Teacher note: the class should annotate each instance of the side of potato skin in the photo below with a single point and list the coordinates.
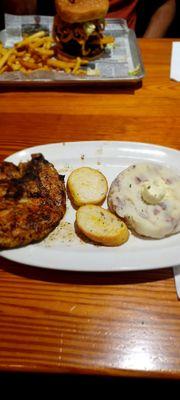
(83, 189)
(101, 226)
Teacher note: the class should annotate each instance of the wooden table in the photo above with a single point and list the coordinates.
(125, 324)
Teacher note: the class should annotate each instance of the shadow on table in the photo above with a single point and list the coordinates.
(126, 88)
(78, 384)
(85, 278)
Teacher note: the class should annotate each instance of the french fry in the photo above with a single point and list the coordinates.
(19, 53)
(30, 39)
(45, 41)
(29, 65)
(48, 44)
(37, 52)
(5, 57)
(12, 59)
(1, 48)
(77, 65)
(3, 69)
(60, 64)
(44, 52)
(15, 67)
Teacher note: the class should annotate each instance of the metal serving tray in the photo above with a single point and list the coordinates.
(121, 63)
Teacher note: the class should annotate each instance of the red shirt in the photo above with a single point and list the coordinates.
(124, 9)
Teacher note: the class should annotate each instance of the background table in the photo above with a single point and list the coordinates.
(125, 324)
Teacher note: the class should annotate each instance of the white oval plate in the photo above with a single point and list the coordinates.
(67, 253)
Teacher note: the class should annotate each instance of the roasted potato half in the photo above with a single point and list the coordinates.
(87, 186)
(101, 225)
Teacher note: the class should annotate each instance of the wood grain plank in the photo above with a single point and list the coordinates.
(125, 324)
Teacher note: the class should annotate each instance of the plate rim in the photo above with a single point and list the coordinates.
(168, 252)
(93, 142)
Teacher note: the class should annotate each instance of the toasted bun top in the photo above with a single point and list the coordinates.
(81, 10)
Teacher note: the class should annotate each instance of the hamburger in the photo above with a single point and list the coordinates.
(79, 28)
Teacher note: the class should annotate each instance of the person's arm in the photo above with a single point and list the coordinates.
(161, 20)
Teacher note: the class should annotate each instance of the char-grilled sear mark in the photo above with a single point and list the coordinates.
(32, 201)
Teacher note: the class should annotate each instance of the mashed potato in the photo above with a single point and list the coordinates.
(147, 196)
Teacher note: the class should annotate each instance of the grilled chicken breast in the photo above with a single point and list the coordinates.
(32, 201)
